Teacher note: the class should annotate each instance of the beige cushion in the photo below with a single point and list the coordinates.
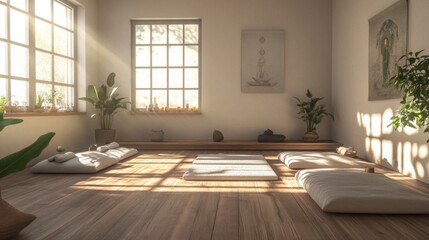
(121, 153)
(85, 162)
(12, 221)
(310, 159)
(230, 167)
(355, 191)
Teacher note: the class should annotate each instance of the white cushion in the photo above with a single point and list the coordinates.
(310, 159)
(356, 191)
(230, 167)
(121, 153)
(85, 162)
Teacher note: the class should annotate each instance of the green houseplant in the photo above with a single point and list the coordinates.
(13, 220)
(312, 114)
(107, 102)
(412, 79)
(40, 100)
(3, 102)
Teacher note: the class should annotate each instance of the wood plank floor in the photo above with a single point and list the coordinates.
(146, 198)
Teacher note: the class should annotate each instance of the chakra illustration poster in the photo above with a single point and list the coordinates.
(262, 61)
(387, 43)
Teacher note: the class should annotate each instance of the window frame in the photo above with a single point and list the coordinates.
(32, 49)
(134, 23)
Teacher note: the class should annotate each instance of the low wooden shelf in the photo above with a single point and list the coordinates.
(321, 145)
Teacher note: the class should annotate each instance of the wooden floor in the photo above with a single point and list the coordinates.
(146, 198)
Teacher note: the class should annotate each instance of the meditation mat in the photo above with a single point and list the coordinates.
(230, 167)
(355, 191)
(314, 159)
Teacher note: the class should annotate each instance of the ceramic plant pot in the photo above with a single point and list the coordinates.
(103, 136)
(310, 137)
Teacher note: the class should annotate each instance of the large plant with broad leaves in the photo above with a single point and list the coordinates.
(107, 102)
(311, 112)
(18, 161)
(412, 79)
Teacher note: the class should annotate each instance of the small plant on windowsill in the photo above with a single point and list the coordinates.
(40, 100)
(53, 97)
(107, 103)
(412, 79)
(3, 102)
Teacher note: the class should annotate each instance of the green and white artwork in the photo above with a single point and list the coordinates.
(387, 43)
(262, 61)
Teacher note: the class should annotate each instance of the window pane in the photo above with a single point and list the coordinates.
(63, 15)
(175, 98)
(43, 66)
(43, 88)
(176, 77)
(43, 9)
(142, 34)
(18, 27)
(191, 56)
(159, 34)
(175, 57)
(143, 78)
(191, 98)
(162, 54)
(63, 42)
(19, 92)
(19, 61)
(3, 58)
(159, 56)
(142, 98)
(175, 34)
(21, 4)
(191, 33)
(159, 78)
(191, 78)
(43, 35)
(3, 87)
(63, 69)
(3, 22)
(142, 56)
(160, 98)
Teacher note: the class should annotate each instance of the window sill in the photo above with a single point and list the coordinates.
(42, 114)
(164, 113)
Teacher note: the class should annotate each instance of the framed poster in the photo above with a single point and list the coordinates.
(262, 61)
(387, 43)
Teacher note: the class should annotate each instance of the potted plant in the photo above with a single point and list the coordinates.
(412, 79)
(40, 100)
(3, 101)
(13, 220)
(107, 102)
(312, 114)
(52, 98)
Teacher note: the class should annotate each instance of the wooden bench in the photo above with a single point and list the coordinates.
(321, 145)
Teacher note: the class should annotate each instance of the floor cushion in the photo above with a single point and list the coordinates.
(85, 162)
(315, 159)
(356, 191)
(230, 167)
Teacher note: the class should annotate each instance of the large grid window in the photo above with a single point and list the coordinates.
(166, 65)
(37, 54)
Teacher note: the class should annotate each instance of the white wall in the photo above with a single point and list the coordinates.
(359, 122)
(71, 131)
(307, 26)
